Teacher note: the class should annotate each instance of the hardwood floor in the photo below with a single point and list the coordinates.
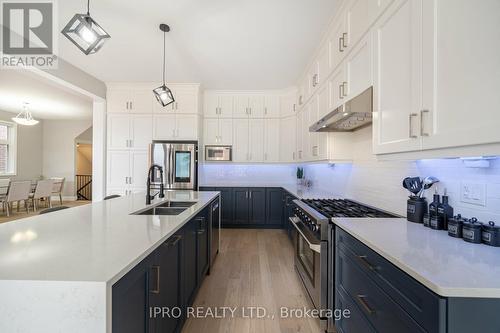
(15, 215)
(253, 268)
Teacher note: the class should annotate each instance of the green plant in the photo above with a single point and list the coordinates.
(300, 173)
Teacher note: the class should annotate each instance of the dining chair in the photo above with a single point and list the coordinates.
(18, 191)
(43, 191)
(52, 209)
(4, 187)
(58, 187)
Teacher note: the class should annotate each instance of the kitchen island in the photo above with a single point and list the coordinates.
(57, 270)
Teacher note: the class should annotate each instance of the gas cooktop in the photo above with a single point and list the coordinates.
(344, 208)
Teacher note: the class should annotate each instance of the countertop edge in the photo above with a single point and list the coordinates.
(440, 291)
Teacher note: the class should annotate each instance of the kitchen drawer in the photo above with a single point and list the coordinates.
(356, 323)
(381, 311)
(422, 304)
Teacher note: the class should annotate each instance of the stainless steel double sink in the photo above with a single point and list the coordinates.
(167, 208)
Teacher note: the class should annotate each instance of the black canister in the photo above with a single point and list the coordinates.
(436, 223)
(455, 226)
(427, 220)
(416, 208)
(491, 234)
(472, 231)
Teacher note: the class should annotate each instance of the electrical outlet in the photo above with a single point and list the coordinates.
(473, 193)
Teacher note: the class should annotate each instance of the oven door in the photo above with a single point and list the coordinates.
(307, 260)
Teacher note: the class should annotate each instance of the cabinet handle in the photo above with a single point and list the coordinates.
(131, 143)
(157, 287)
(250, 194)
(341, 93)
(130, 180)
(301, 99)
(265, 110)
(131, 106)
(293, 156)
(422, 129)
(126, 180)
(246, 194)
(344, 38)
(176, 105)
(249, 110)
(174, 241)
(344, 88)
(201, 231)
(366, 263)
(341, 43)
(410, 132)
(294, 107)
(126, 106)
(362, 300)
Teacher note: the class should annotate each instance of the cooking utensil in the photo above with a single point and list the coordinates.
(415, 185)
(407, 183)
(427, 184)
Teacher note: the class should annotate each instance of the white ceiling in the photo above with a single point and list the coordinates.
(223, 44)
(47, 101)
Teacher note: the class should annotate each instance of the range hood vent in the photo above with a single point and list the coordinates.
(354, 114)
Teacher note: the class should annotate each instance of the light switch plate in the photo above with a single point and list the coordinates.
(473, 193)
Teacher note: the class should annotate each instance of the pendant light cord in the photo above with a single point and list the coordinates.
(88, 7)
(164, 62)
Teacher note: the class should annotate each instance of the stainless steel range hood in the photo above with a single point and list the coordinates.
(354, 114)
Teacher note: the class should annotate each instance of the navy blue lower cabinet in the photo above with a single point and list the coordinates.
(203, 246)
(378, 308)
(227, 203)
(275, 201)
(241, 205)
(165, 290)
(257, 206)
(354, 321)
(130, 303)
(190, 262)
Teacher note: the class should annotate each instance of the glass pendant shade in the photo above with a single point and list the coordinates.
(164, 95)
(25, 117)
(85, 33)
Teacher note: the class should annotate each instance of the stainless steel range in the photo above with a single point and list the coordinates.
(315, 246)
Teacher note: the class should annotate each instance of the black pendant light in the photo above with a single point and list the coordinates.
(163, 94)
(85, 33)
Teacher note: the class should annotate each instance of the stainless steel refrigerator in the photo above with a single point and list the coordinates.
(179, 160)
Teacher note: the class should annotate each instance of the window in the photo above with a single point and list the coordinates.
(7, 148)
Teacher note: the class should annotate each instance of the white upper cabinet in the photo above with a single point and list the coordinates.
(118, 164)
(336, 86)
(175, 127)
(256, 139)
(324, 68)
(139, 165)
(241, 107)
(141, 127)
(398, 80)
(272, 140)
(323, 102)
(226, 131)
(288, 103)
(241, 143)
(186, 127)
(271, 106)
(129, 101)
(299, 135)
(256, 106)
(218, 105)
(186, 100)
(337, 42)
(288, 137)
(358, 67)
(211, 131)
(358, 18)
(164, 127)
(461, 73)
(118, 131)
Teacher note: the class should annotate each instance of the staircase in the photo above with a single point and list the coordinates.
(84, 187)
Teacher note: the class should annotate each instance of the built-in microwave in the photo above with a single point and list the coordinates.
(218, 153)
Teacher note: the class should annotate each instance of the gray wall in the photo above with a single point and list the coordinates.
(29, 149)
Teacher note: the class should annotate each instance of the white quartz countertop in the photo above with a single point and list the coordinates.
(99, 242)
(300, 192)
(448, 266)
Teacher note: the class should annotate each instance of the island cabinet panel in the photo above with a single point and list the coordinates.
(241, 205)
(166, 283)
(190, 263)
(131, 300)
(227, 203)
(168, 278)
(274, 206)
(257, 212)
